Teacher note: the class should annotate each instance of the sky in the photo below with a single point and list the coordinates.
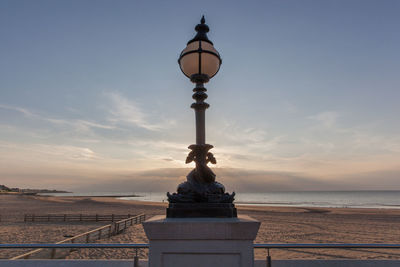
(307, 97)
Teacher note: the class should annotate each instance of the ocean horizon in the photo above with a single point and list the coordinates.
(386, 199)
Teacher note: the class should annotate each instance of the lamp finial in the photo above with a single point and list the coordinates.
(201, 30)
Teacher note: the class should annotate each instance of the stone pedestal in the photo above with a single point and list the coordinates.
(201, 242)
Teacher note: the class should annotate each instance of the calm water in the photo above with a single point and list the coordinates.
(347, 199)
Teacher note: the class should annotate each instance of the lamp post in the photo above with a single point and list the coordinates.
(200, 195)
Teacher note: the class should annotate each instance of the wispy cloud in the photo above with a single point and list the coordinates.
(327, 118)
(121, 113)
(24, 111)
(124, 110)
(236, 134)
(77, 124)
(40, 152)
(364, 140)
(248, 147)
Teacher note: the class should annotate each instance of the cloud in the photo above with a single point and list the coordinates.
(75, 124)
(236, 134)
(235, 179)
(374, 180)
(79, 124)
(327, 118)
(247, 147)
(18, 109)
(123, 110)
(355, 141)
(130, 140)
(82, 169)
(45, 152)
(244, 180)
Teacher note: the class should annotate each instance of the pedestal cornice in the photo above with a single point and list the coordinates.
(162, 228)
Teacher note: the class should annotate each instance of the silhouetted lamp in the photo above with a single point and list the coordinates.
(200, 195)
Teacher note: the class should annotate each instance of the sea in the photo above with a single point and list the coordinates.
(331, 199)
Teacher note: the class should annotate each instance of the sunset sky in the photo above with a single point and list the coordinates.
(307, 97)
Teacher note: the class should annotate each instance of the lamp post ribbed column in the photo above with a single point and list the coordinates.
(200, 112)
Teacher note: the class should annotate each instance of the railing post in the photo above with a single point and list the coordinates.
(136, 259)
(100, 233)
(87, 238)
(268, 259)
(72, 241)
(53, 253)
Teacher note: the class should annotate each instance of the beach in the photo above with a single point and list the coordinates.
(278, 225)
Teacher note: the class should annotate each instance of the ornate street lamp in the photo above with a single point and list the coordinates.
(200, 195)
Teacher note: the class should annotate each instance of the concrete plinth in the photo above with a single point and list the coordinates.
(198, 242)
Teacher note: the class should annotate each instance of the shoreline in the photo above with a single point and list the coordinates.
(240, 206)
(113, 196)
(319, 199)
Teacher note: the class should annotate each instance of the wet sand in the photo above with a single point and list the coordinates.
(278, 225)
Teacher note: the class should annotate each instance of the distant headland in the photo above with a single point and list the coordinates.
(27, 191)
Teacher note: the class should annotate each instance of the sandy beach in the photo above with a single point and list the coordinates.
(278, 225)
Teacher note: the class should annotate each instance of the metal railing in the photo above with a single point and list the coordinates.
(136, 247)
(75, 217)
(76, 245)
(323, 245)
(95, 234)
(320, 246)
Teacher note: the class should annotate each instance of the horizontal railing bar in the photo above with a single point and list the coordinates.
(322, 245)
(132, 245)
(75, 245)
(77, 218)
(76, 214)
(85, 216)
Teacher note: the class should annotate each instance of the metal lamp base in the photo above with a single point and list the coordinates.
(201, 210)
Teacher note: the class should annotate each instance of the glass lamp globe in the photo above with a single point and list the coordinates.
(200, 58)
